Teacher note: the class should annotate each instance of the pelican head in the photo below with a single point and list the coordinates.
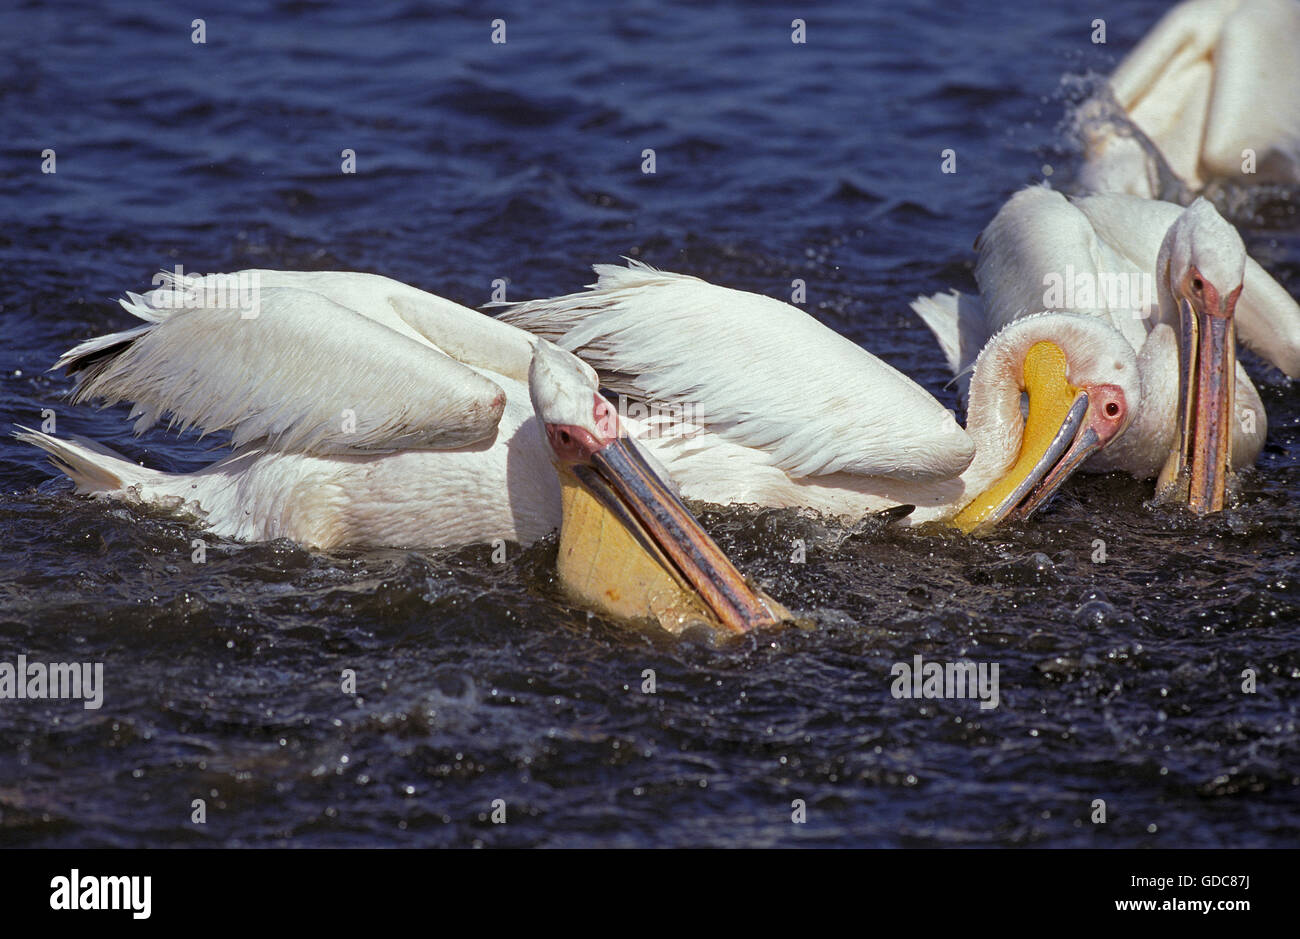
(1202, 264)
(628, 546)
(1081, 380)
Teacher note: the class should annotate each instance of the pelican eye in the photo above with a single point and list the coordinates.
(1112, 409)
(1197, 285)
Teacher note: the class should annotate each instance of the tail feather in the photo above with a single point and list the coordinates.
(958, 324)
(92, 466)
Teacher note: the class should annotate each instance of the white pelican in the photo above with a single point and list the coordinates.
(765, 405)
(367, 412)
(1177, 283)
(1213, 83)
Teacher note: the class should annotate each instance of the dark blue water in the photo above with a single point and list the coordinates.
(477, 161)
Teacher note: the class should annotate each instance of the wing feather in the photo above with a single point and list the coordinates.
(754, 370)
(305, 373)
(1268, 318)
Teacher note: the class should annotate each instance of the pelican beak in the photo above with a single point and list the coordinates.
(1198, 467)
(620, 478)
(1090, 424)
(1064, 427)
(629, 545)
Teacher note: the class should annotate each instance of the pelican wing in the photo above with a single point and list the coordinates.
(1107, 246)
(756, 371)
(961, 329)
(1181, 39)
(1214, 79)
(1040, 252)
(464, 334)
(1254, 102)
(288, 368)
(1268, 318)
(1164, 83)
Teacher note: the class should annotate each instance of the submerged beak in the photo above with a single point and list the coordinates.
(1197, 469)
(1079, 436)
(1064, 427)
(1084, 431)
(619, 477)
(655, 526)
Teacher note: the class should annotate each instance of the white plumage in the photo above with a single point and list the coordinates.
(362, 411)
(782, 411)
(1212, 81)
(365, 412)
(649, 330)
(1114, 242)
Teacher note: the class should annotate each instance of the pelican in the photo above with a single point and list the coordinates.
(1177, 284)
(1212, 92)
(366, 412)
(745, 399)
